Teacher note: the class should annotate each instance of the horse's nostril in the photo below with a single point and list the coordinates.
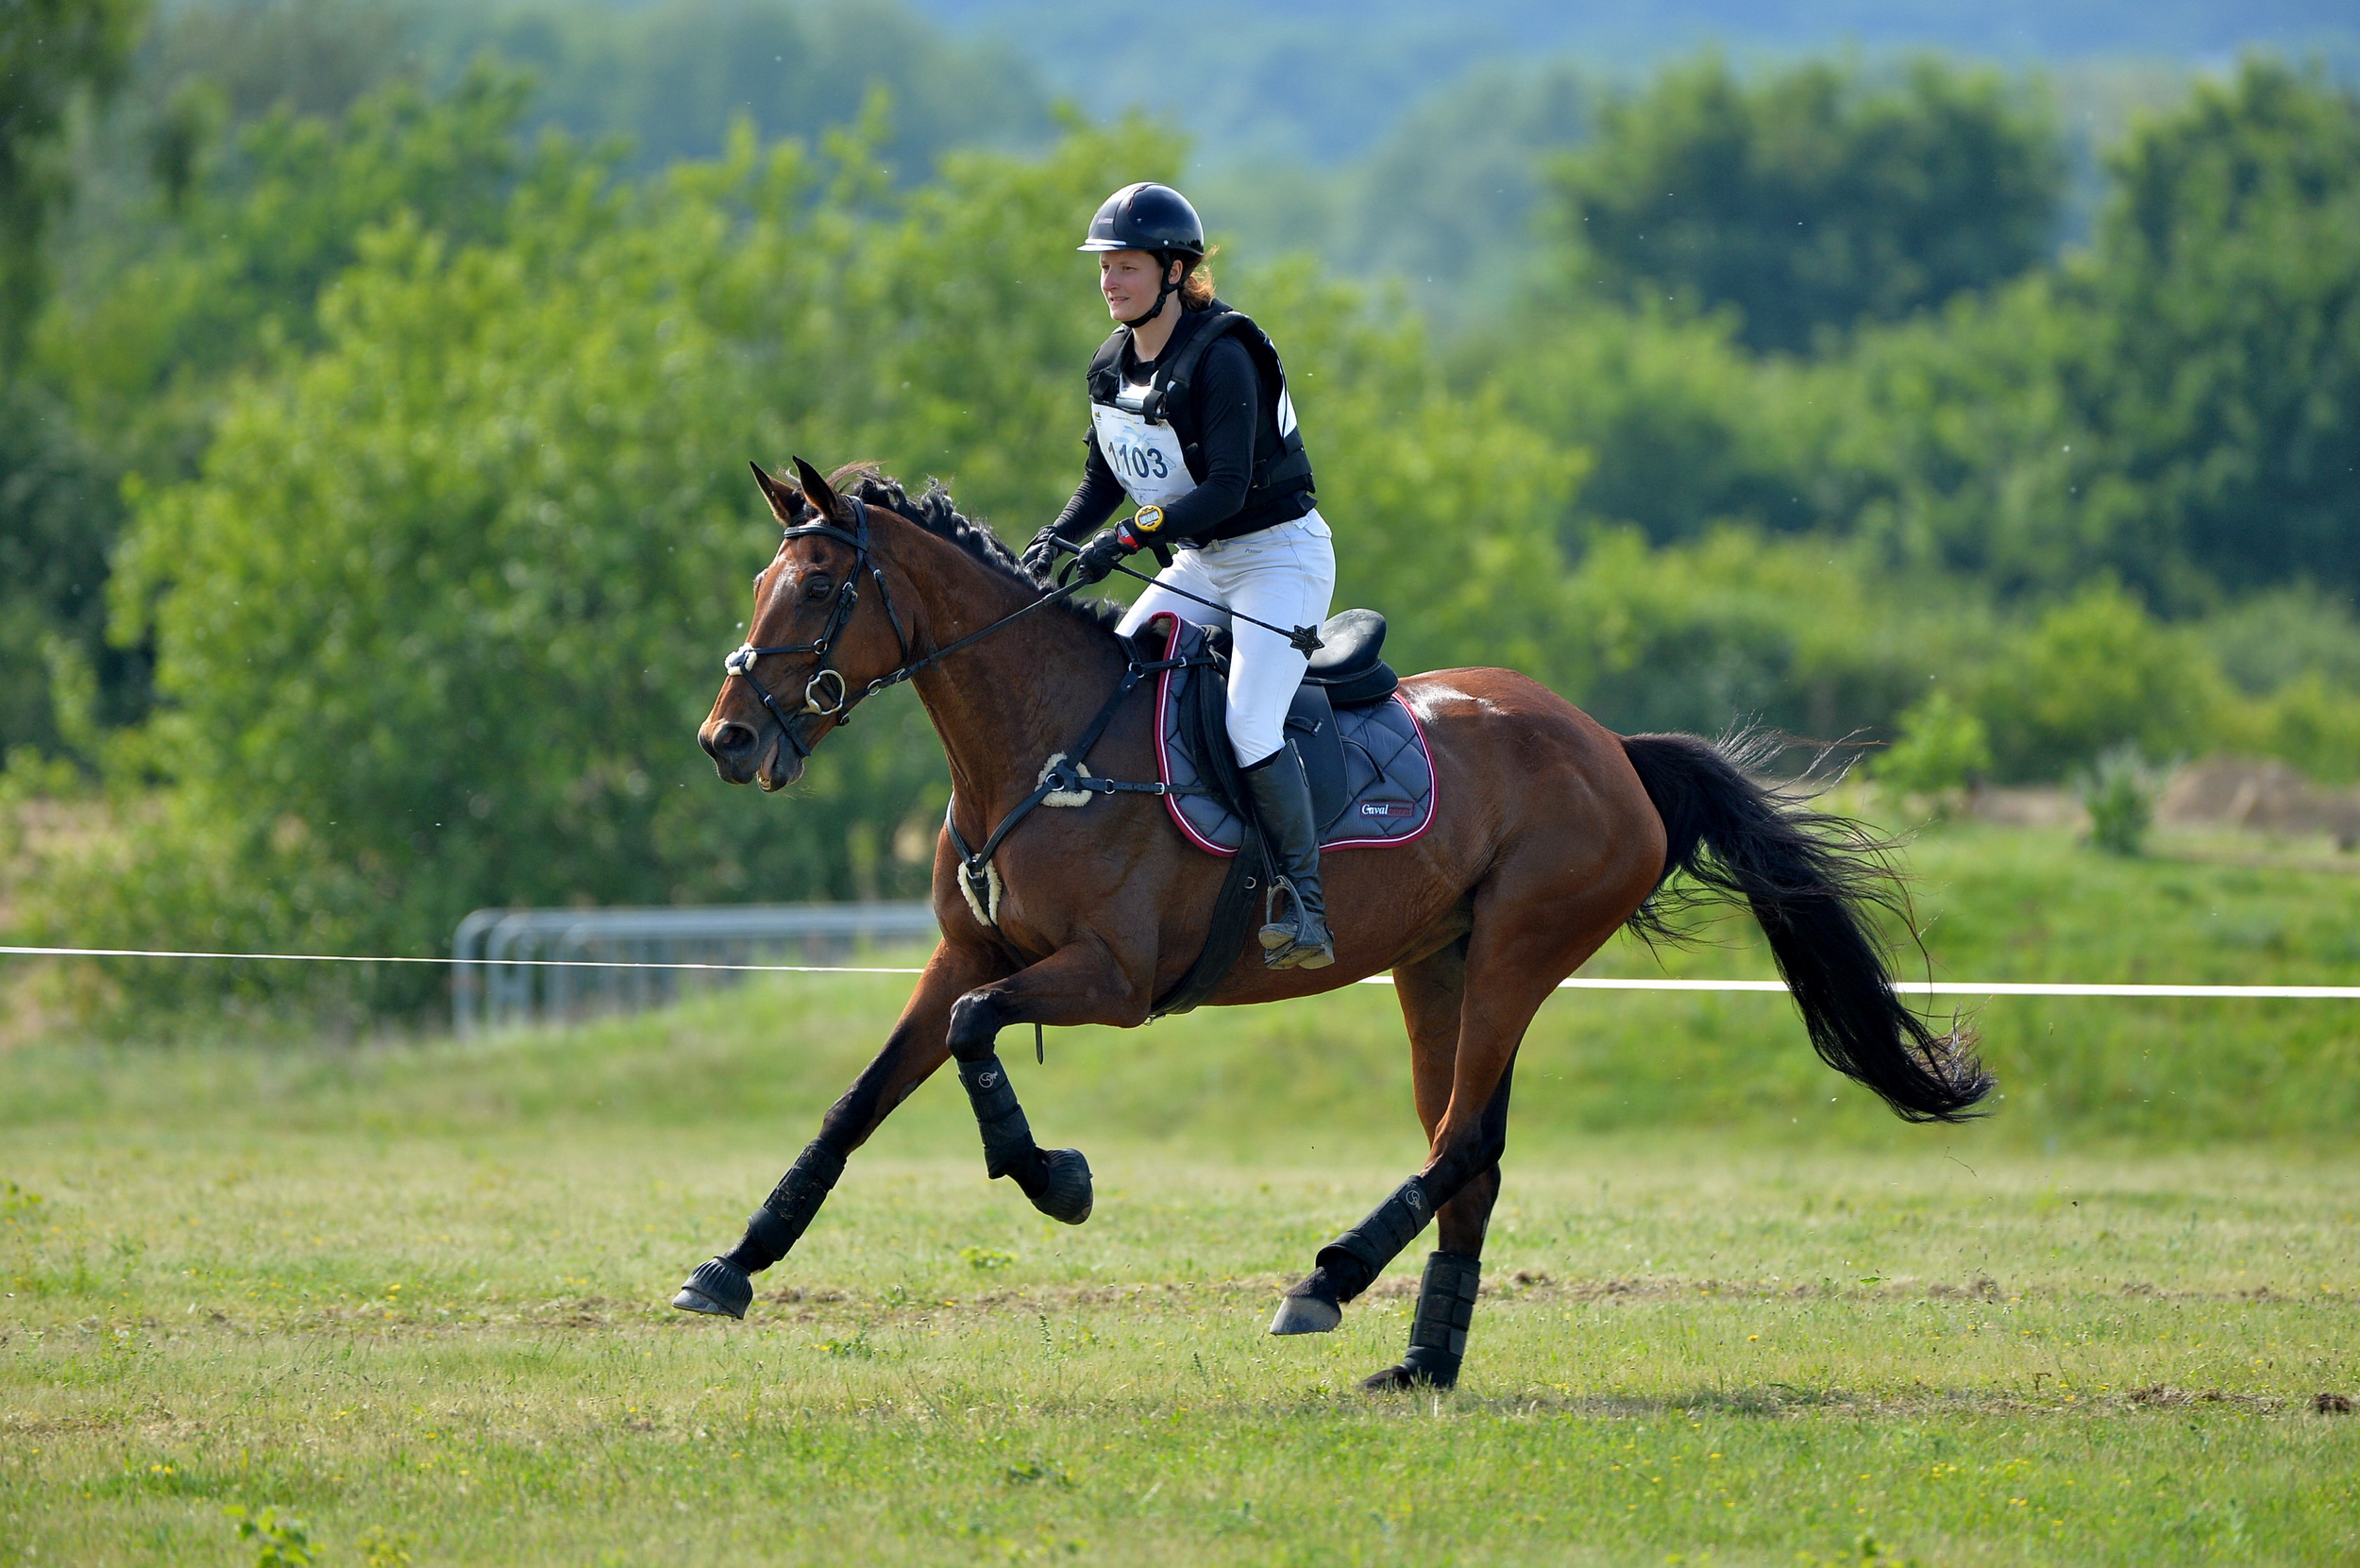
(732, 740)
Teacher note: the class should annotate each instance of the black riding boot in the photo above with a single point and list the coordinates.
(1297, 938)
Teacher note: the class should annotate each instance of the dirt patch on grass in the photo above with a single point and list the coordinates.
(1784, 1399)
(899, 1306)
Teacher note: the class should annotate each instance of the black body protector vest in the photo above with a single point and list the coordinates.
(1281, 467)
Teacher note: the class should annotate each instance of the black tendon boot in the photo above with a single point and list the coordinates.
(1057, 1180)
(724, 1286)
(1282, 797)
(1438, 1335)
(1350, 1264)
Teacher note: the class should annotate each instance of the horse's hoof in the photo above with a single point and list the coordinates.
(718, 1289)
(1061, 1185)
(1307, 1310)
(1401, 1378)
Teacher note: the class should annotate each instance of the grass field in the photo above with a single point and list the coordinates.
(411, 1295)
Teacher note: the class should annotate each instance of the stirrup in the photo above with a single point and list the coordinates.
(1283, 947)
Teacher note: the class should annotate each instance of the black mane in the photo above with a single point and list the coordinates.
(933, 512)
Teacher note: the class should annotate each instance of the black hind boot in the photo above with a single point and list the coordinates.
(1438, 1335)
(1282, 797)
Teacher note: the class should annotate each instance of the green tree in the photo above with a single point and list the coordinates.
(2308, 721)
(147, 348)
(1687, 432)
(1952, 446)
(135, 359)
(1944, 745)
(1444, 202)
(50, 53)
(2181, 408)
(1815, 197)
(2119, 791)
(56, 505)
(1737, 628)
(2095, 672)
(1445, 506)
(673, 75)
(2228, 388)
(53, 54)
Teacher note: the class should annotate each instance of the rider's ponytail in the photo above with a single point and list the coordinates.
(1196, 279)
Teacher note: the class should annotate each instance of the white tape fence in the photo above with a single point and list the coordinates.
(1908, 987)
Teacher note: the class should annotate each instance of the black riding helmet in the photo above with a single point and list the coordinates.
(1150, 217)
(1146, 216)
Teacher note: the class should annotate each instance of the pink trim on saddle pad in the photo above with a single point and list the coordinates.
(1171, 802)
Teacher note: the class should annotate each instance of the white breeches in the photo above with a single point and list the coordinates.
(1283, 575)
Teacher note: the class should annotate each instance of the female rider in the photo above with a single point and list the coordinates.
(1190, 415)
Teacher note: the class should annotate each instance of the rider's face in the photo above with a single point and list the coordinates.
(1128, 279)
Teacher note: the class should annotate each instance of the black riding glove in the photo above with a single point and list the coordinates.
(1098, 558)
(1040, 556)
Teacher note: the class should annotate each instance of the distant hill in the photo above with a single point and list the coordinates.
(1322, 80)
(667, 76)
(1403, 140)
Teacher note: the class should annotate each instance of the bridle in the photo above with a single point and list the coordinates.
(827, 695)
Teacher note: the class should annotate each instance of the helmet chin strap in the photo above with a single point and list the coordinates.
(1134, 323)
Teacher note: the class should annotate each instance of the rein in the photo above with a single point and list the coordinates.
(1305, 639)
(841, 701)
(827, 695)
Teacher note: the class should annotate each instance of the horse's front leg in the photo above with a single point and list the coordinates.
(724, 1285)
(1079, 984)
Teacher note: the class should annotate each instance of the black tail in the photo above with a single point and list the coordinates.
(1808, 879)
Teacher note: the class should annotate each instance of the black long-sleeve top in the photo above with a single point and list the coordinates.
(1230, 418)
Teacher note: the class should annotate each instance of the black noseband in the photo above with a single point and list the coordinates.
(826, 695)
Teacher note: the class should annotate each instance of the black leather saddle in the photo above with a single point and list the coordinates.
(1348, 671)
(1348, 666)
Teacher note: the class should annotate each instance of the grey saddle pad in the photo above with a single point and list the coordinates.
(1389, 772)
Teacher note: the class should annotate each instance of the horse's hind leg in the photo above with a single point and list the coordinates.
(1454, 1271)
(723, 1287)
(1432, 992)
(1512, 965)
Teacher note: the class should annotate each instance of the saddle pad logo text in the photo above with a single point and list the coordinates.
(1388, 808)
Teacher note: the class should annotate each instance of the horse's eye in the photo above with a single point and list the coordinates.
(818, 589)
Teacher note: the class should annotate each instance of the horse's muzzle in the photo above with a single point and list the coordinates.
(744, 754)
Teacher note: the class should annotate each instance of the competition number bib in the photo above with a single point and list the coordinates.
(1146, 458)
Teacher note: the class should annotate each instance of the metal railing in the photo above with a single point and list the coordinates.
(525, 966)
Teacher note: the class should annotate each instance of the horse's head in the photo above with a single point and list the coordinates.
(811, 645)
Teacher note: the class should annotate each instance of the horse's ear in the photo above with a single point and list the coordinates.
(785, 504)
(818, 492)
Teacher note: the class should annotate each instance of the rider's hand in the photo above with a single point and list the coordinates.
(1098, 558)
(1040, 556)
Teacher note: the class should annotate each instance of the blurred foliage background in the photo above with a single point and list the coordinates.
(377, 379)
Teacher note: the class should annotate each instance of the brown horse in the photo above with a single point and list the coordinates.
(1552, 833)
